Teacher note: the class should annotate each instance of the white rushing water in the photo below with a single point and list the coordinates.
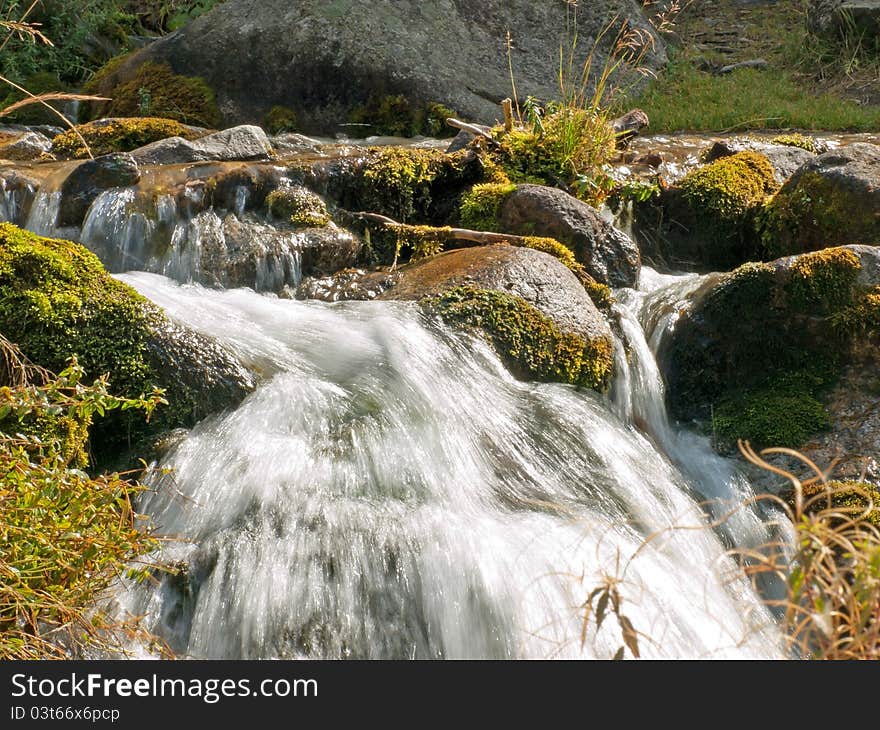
(390, 491)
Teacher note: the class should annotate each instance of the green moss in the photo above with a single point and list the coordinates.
(481, 205)
(571, 151)
(402, 182)
(730, 188)
(303, 208)
(601, 294)
(779, 415)
(422, 241)
(397, 116)
(280, 119)
(156, 91)
(57, 301)
(823, 281)
(811, 211)
(529, 342)
(862, 316)
(798, 140)
(117, 135)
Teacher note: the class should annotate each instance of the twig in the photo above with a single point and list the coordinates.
(460, 234)
(474, 130)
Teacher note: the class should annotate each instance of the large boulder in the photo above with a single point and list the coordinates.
(833, 199)
(90, 179)
(243, 143)
(755, 353)
(834, 18)
(608, 254)
(324, 59)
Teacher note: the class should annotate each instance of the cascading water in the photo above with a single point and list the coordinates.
(390, 491)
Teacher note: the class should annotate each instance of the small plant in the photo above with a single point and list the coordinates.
(67, 536)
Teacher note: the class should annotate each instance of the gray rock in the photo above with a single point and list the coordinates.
(536, 277)
(244, 143)
(19, 191)
(832, 18)
(753, 63)
(325, 58)
(89, 179)
(832, 199)
(608, 255)
(30, 146)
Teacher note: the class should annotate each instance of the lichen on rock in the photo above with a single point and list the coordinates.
(106, 136)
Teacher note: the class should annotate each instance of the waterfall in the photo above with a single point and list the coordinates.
(390, 491)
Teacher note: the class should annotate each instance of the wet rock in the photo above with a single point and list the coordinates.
(536, 277)
(244, 143)
(19, 191)
(91, 178)
(30, 146)
(347, 285)
(608, 255)
(629, 126)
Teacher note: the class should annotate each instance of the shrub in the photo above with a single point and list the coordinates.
(280, 119)
(398, 116)
(67, 536)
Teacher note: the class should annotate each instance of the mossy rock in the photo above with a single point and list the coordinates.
(154, 90)
(802, 141)
(281, 119)
(758, 350)
(106, 136)
(718, 204)
(299, 206)
(56, 300)
(834, 198)
(529, 342)
(398, 116)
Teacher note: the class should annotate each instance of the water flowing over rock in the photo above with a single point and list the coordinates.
(324, 59)
(608, 254)
(89, 179)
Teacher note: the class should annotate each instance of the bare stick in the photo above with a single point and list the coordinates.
(474, 129)
(460, 234)
(507, 106)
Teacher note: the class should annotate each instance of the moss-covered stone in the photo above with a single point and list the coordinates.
(757, 353)
(807, 214)
(154, 90)
(406, 183)
(280, 119)
(722, 200)
(482, 203)
(117, 135)
(397, 116)
(299, 206)
(530, 343)
(852, 498)
(799, 140)
(57, 301)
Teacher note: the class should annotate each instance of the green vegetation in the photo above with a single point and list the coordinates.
(799, 140)
(530, 343)
(729, 189)
(684, 98)
(785, 335)
(66, 536)
(848, 497)
(398, 116)
(570, 149)
(117, 135)
(301, 207)
(155, 91)
(280, 119)
(811, 211)
(481, 205)
(37, 83)
(404, 183)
